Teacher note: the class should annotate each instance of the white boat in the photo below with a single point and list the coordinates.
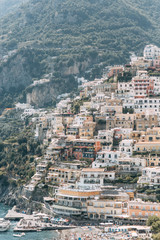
(19, 235)
(4, 225)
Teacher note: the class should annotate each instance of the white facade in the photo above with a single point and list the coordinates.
(150, 175)
(126, 87)
(124, 132)
(64, 106)
(105, 135)
(131, 164)
(106, 158)
(156, 81)
(128, 103)
(78, 120)
(126, 147)
(144, 104)
(151, 52)
(94, 177)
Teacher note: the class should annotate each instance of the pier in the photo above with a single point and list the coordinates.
(13, 215)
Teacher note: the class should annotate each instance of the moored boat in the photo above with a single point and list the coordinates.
(19, 235)
(4, 225)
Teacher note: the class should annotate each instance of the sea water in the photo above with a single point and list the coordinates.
(44, 235)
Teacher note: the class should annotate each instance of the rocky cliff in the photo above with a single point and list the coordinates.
(45, 94)
(13, 74)
(18, 70)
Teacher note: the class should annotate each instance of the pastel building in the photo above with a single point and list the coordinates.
(70, 201)
(149, 141)
(111, 203)
(140, 209)
(62, 175)
(121, 121)
(140, 85)
(153, 160)
(87, 130)
(84, 149)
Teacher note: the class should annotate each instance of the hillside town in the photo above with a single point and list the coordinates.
(102, 147)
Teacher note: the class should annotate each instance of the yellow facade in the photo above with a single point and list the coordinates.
(153, 160)
(87, 130)
(67, 120)
(101, 208)
(141, 147)
(58, 175)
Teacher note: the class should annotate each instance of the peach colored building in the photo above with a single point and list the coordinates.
(140, 209)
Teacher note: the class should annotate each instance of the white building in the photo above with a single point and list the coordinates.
(150, 176)
(126, 87)
(124, 132)
(151, 52)
(147, 105)
(128, 103)
(156, 81)
(126, 147)
(94, 177)
(105, 136)
(64, 106)
(79, 120)
(129, 164)
(106, 158)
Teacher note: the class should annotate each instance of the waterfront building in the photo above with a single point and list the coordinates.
(112, 202)
(72, 201)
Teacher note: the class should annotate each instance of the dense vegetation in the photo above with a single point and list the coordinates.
(154, 222)
(107, 29)
(18, 148)
(8, 6)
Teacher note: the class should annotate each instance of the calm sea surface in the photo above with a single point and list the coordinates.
(44, 235)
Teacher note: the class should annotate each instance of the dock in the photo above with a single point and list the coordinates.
(47, 228)
(13, 215)
(35, 225)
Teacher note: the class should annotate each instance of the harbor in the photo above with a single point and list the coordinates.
(37, 235)
(36, 222)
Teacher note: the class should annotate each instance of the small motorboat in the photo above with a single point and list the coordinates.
(19, 235)
(4, 225)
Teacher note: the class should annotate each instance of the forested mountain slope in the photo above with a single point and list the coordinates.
(72, 36)
(8, 6)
